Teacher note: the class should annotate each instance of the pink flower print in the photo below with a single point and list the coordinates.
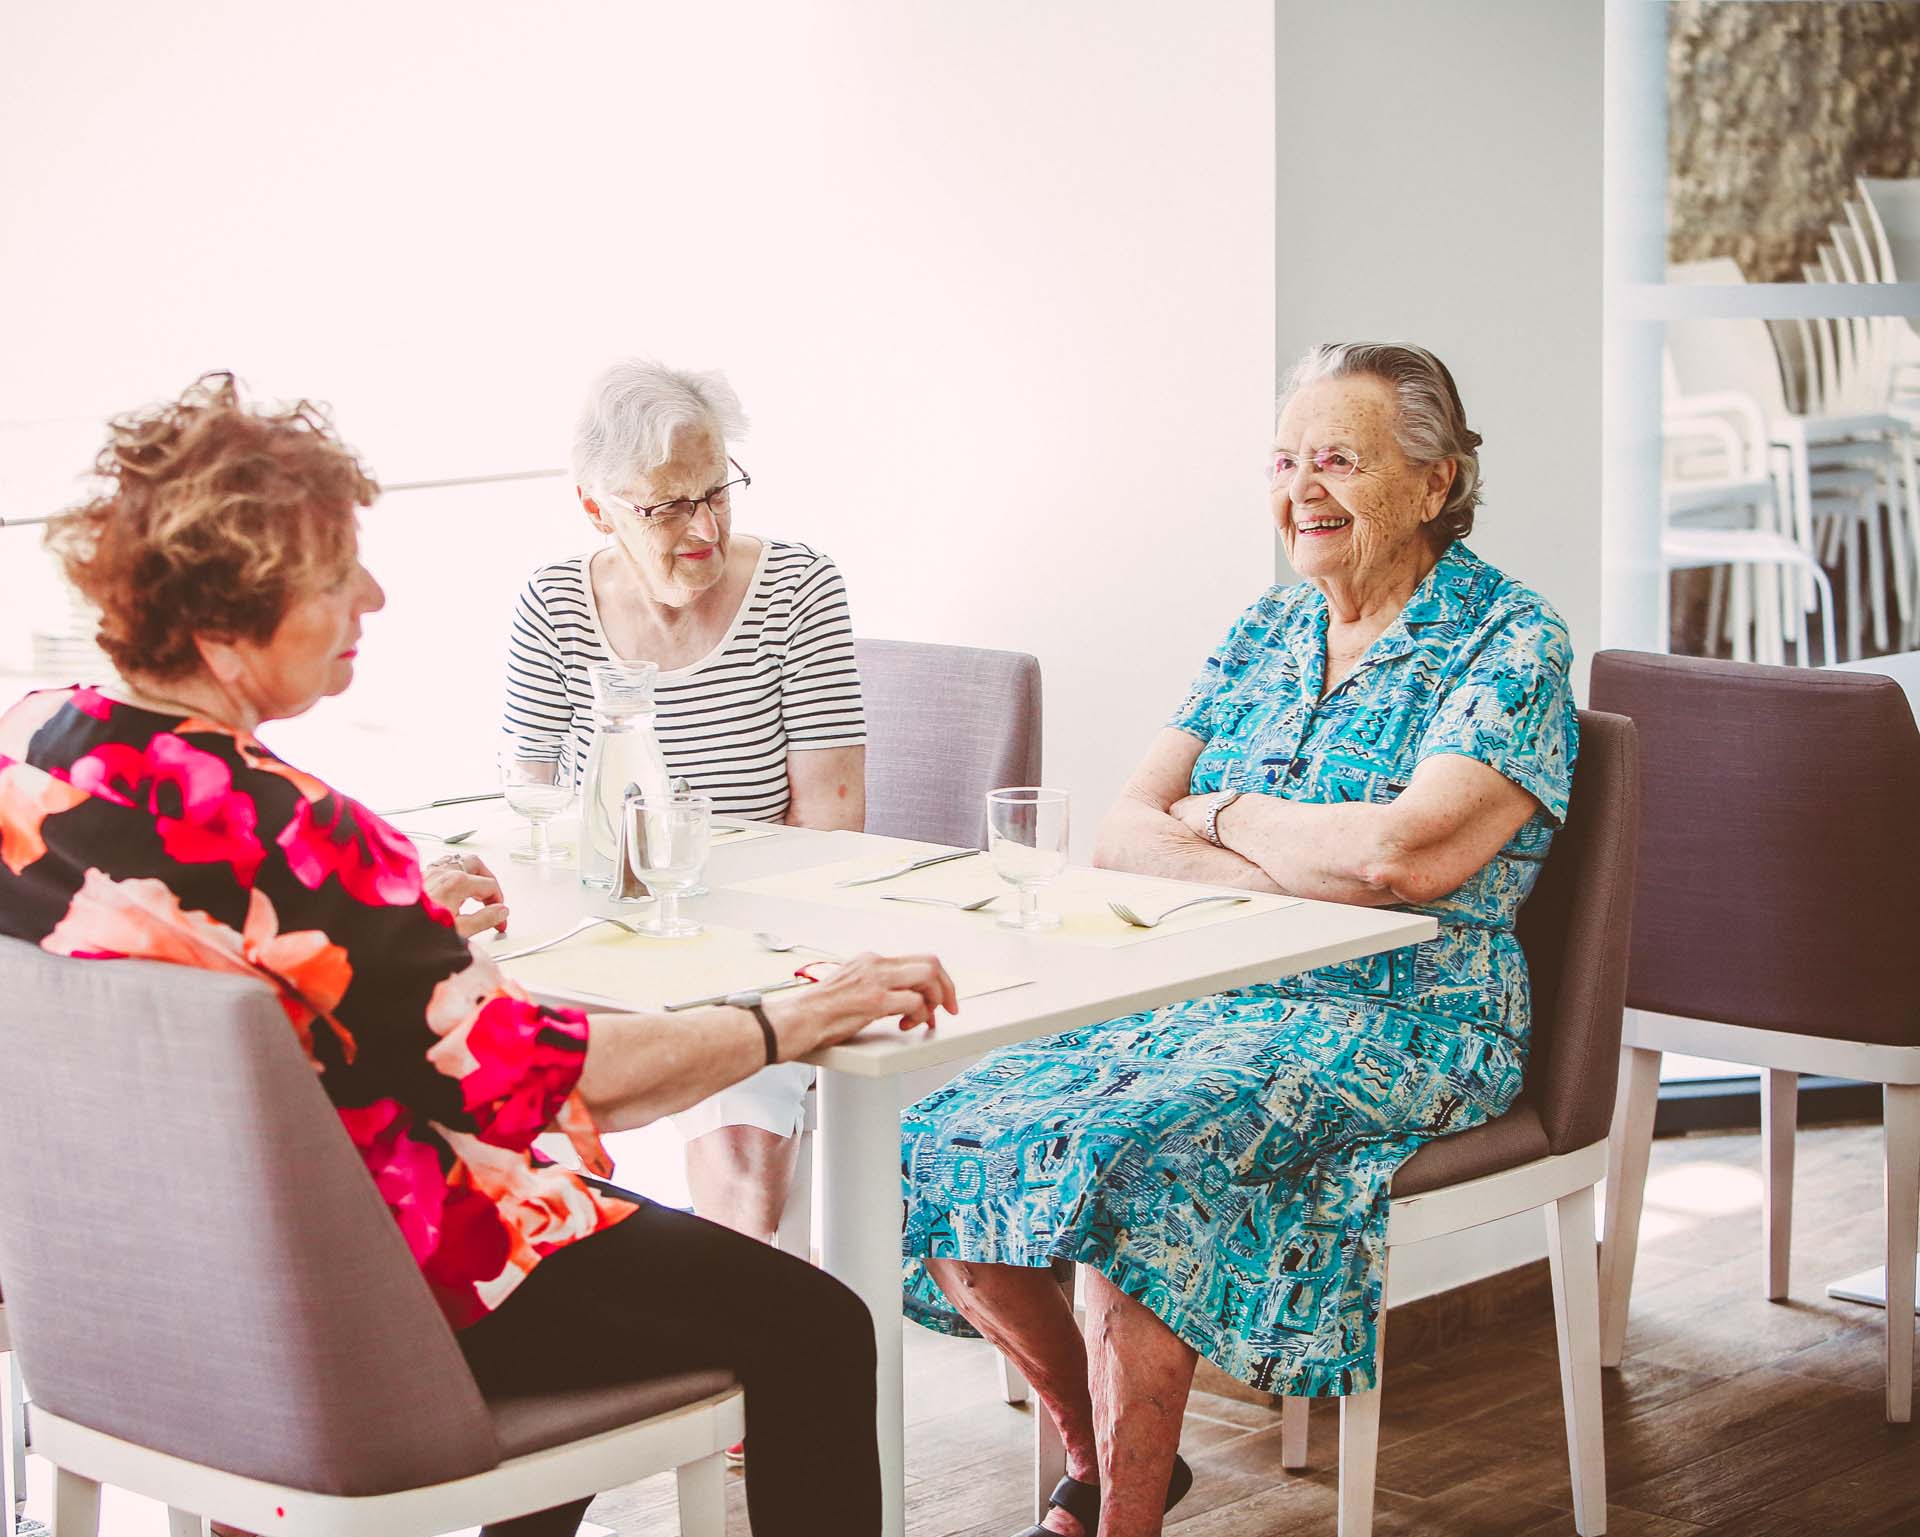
(475, 1246)
(90, 701)
(337, 836)
(406, 1172)
(199, 815)
(526, 1061)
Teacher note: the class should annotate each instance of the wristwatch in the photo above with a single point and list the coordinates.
(1211, 829)
(751, 1003)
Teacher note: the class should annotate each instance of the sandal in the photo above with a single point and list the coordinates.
(1082, 1500)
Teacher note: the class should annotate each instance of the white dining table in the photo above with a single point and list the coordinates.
(865, 1082)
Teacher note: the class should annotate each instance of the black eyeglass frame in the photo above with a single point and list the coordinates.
(692, 503)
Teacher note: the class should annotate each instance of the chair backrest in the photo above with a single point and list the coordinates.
(1714, 355)
(945, 724)
(197, 1259)
(1893, 209)
(1778, 846)
(1574, 930)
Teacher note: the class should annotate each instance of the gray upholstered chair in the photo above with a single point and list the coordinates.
(1776, 917)
(945, 724)
(1549, 1150)
(214, 1308)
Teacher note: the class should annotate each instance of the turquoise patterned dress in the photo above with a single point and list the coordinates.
(1227, 1160)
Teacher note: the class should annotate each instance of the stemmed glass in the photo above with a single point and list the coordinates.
(667, 840)
(534, 791)
(1027, 840)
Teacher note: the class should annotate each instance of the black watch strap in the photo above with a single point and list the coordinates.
(752, 1004)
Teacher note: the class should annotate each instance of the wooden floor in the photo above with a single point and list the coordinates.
(1731, 1415)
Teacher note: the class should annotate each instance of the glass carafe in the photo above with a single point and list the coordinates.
(624, 752)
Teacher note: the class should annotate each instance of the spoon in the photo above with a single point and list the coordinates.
(780, 946)
(447, 838)
(959, 907)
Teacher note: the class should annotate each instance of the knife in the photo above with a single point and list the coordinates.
(894, 872)
(713, 998)
(451, 800)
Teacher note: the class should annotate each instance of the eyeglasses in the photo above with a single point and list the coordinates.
(681, 509)
(1328, 463)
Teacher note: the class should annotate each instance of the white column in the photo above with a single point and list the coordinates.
(1635, 252)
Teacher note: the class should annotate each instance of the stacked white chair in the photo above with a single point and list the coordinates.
(1722, 507)
(1837, 464)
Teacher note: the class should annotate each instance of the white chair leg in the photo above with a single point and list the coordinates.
(795, 1233)
(1293, 1433)
(1876, 576)
(1013, 1387)
(76, 1505)
(13, 1454)
(1576, 1322)
(1628, 1149)
(703, 1497)
(1741, 609)
(1856, 597)
(1779, 1115)
(1359, 1458)
(1903, 1222)
(1049, 1451)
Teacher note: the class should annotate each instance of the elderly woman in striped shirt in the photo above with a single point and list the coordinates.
(758, 700)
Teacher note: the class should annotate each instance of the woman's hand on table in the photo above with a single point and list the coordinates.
(866, 988)
(453, 880)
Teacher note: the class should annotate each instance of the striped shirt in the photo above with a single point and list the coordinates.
(781, 680)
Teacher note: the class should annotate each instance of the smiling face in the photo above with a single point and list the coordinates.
(675, 558)
(1351, 508)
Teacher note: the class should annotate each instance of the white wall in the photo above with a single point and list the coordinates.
(1439, 182)
(994, 280)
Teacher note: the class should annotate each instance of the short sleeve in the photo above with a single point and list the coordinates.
(819, 682)
(1511, 706)
(538, 712)
(1246, 642)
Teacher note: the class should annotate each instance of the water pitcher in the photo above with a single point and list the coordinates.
(624, 752)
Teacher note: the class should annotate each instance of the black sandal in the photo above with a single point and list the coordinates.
(1082, 1501)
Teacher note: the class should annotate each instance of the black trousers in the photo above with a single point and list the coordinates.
(666, 1292)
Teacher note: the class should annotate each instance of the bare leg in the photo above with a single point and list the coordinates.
(1023, 1312)
(739, 1177)
(1141, 1372)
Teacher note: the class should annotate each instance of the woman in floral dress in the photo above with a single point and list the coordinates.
(145, 818)
(1396, 729)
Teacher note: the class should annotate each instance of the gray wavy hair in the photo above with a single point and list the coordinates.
(1430, 423)
(633, 411)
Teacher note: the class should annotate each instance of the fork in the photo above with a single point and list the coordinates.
(1126, 914)
(958, 907)
(559, 939)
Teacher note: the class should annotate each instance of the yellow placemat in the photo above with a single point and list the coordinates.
(605, 965)
(1079, 896)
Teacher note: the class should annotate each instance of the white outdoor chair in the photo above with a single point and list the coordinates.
(1715, 356)
(1722, 509)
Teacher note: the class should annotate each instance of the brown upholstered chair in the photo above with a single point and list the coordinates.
(1776, 918)
(945, 724)
(214, 1308)
(1550, 1149)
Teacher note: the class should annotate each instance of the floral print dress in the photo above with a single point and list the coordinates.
(125, 832)
(1227, 1160)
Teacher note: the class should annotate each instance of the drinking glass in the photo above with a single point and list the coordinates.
(1027, 840)
(535, 792)
(667, 846)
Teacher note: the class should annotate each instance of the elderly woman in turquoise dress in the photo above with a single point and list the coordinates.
(1397, 729)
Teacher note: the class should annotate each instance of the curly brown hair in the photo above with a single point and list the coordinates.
(217, 517)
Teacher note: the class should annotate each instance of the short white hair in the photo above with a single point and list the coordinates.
(633, 412)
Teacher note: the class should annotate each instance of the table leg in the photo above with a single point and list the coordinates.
(860, 1244)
